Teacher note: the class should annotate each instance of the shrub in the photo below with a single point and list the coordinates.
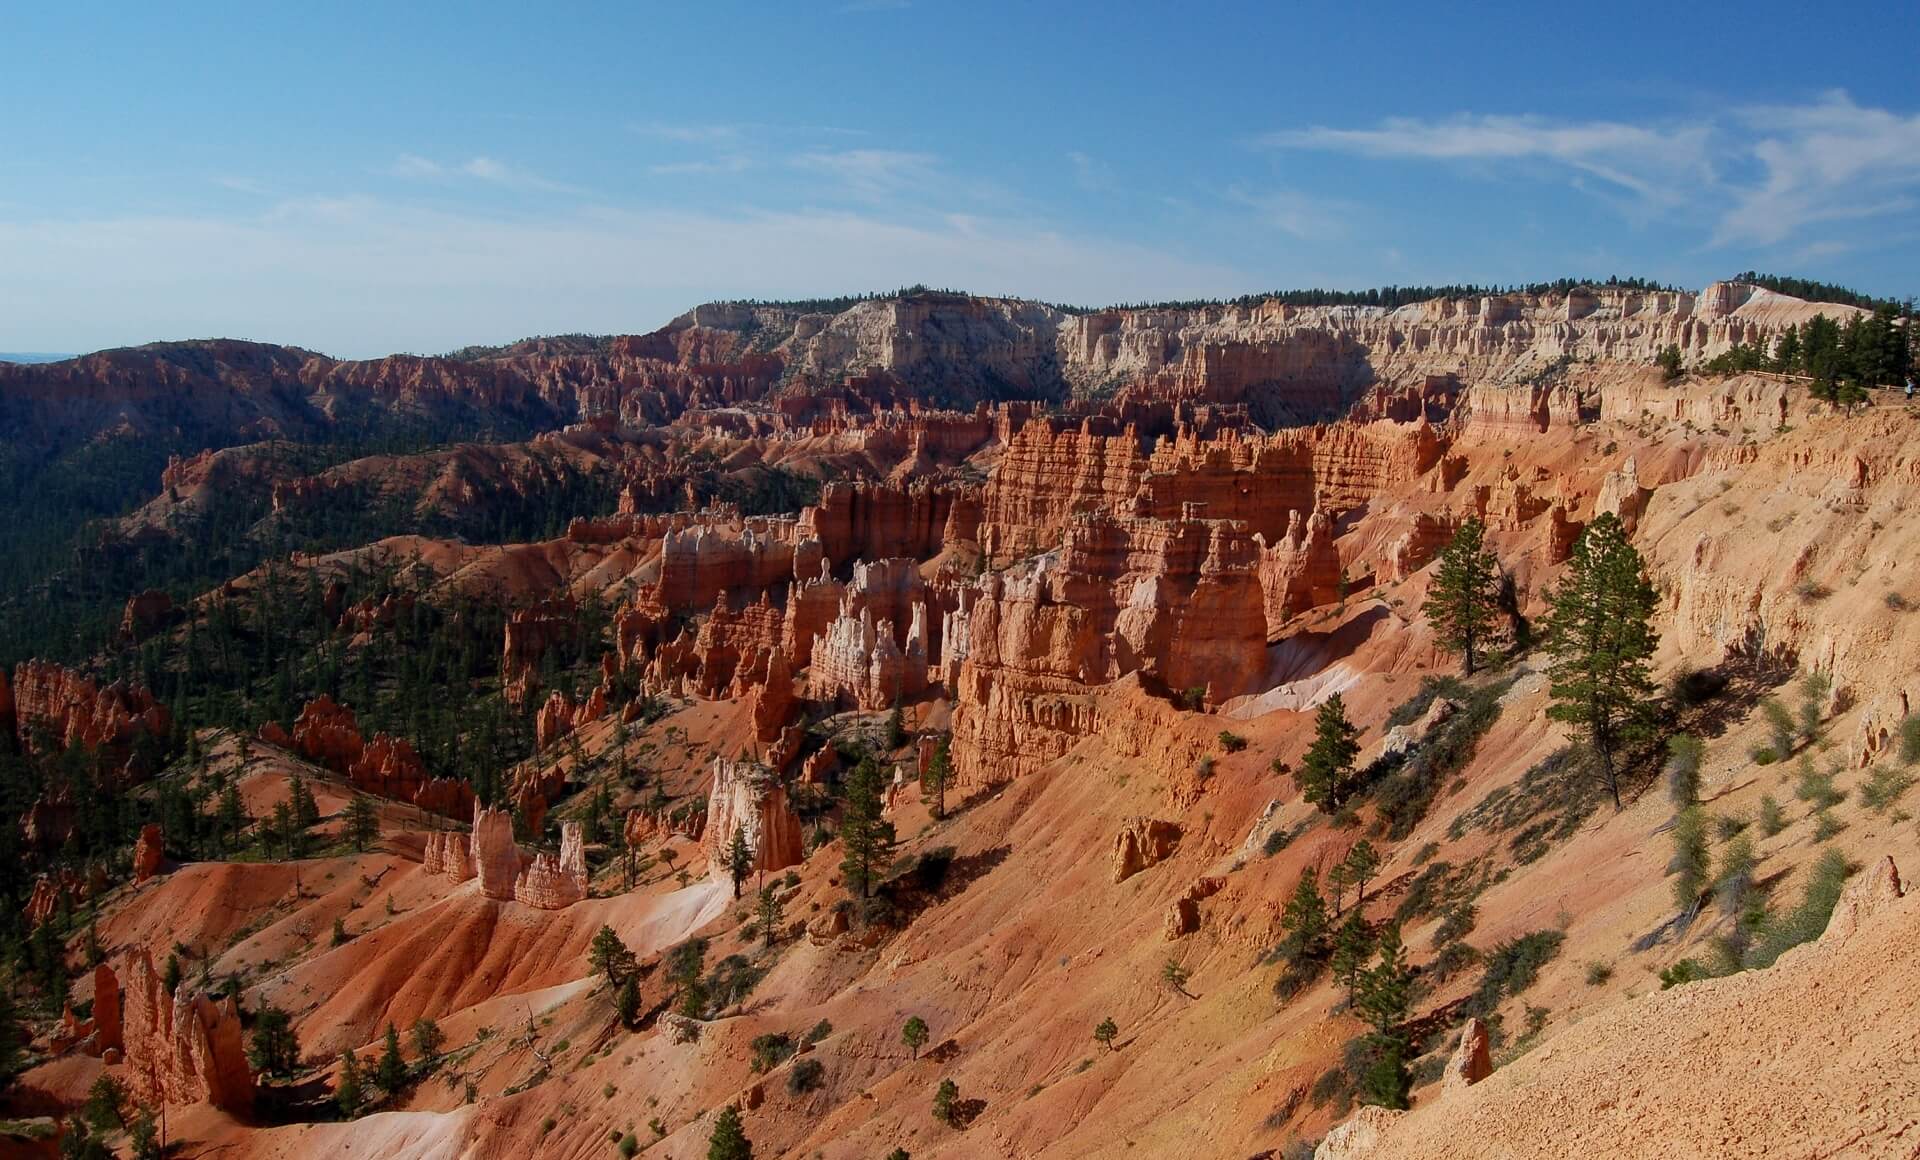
(1459, 922)
(944, 1098)
(1780, 725)
(1510, 968)
(1403, 794)
(1910, 739)
(1453, 959)
(1826, 826)
(1683, 769)
(1883, 787)
(629, 1145)
(1726, 826)
(1598, 974)
(807, 1074)
(1809, 919)
(1232, 742)
(1689, 864)
(1684, 971)
(732, 980)
(771, 1050)
(1897, 602)
(818, 1032)
(1816, 787)
(1763, 754)
(1773, 819)
(1735, 881)
(1203, 769)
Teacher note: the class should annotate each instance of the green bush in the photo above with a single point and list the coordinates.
(1773, 819)
(1232, 742)
(806, 1075)
(1684, 971)
(1510, 968)
(771, 1050)
(1598, 974)
(1808, 920)
(1816, 787)
(1883, 787)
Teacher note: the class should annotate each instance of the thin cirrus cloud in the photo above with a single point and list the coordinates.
(871, 174)
(1654, 163)
(377, 275)
(489, 170)
(1778, 169)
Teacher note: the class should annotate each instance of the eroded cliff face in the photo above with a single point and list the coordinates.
(1124, 613)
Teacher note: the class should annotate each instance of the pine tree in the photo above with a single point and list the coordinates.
(914, 1034)
(428, 1039)
(273, 1049)
(1600, 630)
(1361, 863)
(729, 1139)
(1105, 1031)
(1384, 998)
(739, 859)
(1352, 947)
(1670, 361)
(232, 815)
(608, 955)
(305, 811)
(939, 772)
(391, 1072)
(1304, 918)
(1463, 603)
(944, 1098)
(627, 1002)
(346, 1092)
(1325, 775)
(864, 834)
(767, 915)
(363, 823)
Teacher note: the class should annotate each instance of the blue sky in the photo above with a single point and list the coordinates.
(364, 179)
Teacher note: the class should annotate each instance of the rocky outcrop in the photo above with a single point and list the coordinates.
(1183, 918)
(145, 613)
(148, 852)
(1471, 1061)
(183, 1048)
(1301, 570)
(327, 734)
(859, 662)
(1359, 1138)
(530, 632)
(55, 708)
(448, 854)
(1142, 843)
(554, 883)
(1622, 495)
(1871, 892)
(495, 857)
(749, 797)
(1179, 601)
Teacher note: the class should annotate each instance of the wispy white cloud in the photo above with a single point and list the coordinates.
(1301, 215)
(486, 169)
(1827, 161)
(1765, 174)
(711, 166)
(690, 134)
(1653, 162)
(364, 276)
(872, 174)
